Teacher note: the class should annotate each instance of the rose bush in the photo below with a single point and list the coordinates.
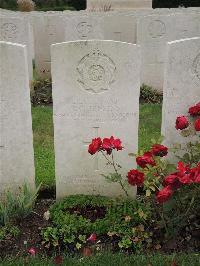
(172, 190)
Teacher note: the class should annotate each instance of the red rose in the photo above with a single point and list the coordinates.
(164, 194)
(197, 124)
(95, 146)
(194, 110)
(146, 159)
(111, 143)
(182, 122)
(117, 144)
(159, 150)
(108, 145)
(195, 174)
(184, 174)
(170, 179)
(135, 178)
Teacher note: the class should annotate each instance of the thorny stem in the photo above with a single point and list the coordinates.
(116, 171)
(120, 181)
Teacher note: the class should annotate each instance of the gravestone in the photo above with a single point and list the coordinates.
(83, 27)
(120, 27)
(16, 29)
(154, 31)
(96, 94)
(48, 29)
(181, 85)
(16, 141)
(118, 4)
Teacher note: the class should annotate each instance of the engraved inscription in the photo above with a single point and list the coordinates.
(196, 67)
(96, 71)
(9, 31)
(109, 110)
(84, 181)
(84, 29)
(157, 29)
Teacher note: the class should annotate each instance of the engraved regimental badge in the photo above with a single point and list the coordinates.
(9, 31)
(157, 29)
(96, 71)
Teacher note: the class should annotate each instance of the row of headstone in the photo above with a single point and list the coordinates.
(149, 28)
(15, 28)
(96, 93)
(118, 4)
(151, 32)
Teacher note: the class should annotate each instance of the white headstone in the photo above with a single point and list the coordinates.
(154, 31)
(120, 27)
(48, 29)
(181, 85)
(16, 29)
(118, 4)
(95, 93)
(16, 141)
(83, 27)
(153, 34)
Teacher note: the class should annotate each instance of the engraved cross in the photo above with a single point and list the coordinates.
(95, 134)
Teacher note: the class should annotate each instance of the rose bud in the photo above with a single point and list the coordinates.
(182, 122)
(135, 178)
(197, 124)
(159, 150)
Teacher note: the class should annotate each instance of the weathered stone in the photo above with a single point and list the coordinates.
(181, 86)
(95, 93)
(16, 140)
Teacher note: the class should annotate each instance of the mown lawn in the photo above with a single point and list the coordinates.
(117, 259)
(150, 123)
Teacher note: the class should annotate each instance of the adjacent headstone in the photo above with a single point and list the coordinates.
(118, 4)
(120, 27)
(154, 31)
(83, 27)
(16, 140)
(16, 29)
(95, 93)
(181, 85)
(152, 35)
(48, 29)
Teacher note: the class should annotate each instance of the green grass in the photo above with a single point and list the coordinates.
(150, 123)
(117, 259)
(43, 145)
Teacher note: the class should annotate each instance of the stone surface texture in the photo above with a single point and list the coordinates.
(181, 86)
(96, 94)
(16, 140)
